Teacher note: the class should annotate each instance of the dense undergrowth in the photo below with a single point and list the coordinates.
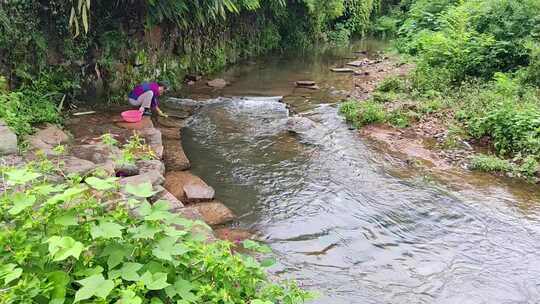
(52, 52)
(77, 240)
(477, 64)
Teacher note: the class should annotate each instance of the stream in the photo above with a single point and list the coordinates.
(341, 218)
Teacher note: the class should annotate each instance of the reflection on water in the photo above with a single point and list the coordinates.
(343, 222)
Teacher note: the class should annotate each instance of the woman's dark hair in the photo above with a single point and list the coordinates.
(164, 83)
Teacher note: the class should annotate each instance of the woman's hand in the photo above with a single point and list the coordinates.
(161, 113)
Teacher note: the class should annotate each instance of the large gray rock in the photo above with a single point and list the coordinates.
(74, 165)
(8, 140)
(96, 153)
(150, 165)
(46, 139)
(299, 124)
(153, 177)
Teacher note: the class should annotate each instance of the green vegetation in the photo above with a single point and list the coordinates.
(55, 51)
(362, 113)
(76, 242)
(477, 64)
(489, 163)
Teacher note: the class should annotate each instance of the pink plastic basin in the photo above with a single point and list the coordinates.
(132, 115)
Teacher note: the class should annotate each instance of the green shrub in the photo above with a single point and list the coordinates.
(350, 110)
(390, 84)
(430, 106)
(25, 109)
(340, 36)
(513, 127)
(398, 119)
(73, 242)
(383, 97)
(528, 166)
(488, 163)
(370, 112)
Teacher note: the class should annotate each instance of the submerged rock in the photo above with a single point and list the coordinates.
(171, 122)
(217, 83)
(299, 124)
(214, 213)
(233, 235)
(8, 140)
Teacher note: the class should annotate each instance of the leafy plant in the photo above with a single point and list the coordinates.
(488, 163)
(78, 243)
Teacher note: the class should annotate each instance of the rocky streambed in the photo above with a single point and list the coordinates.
(80, 149)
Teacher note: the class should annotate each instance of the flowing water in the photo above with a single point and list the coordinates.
(345, 221)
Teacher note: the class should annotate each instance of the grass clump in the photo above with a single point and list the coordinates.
(490, 163)
(362, 113)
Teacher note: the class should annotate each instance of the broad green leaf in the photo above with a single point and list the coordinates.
(155, 300)
(116, 254)
(159, 211)
(128, 272)
(250, 262)
(20, 176)
(95, 285)
(252, 245)
(257, 301)
(106, 230)
(129, 297)
(59, 280)
(47, 189)
(21, 201)
(154, 267)
(101, 184)
(10, 272)
(144, 231)
(67, 219)
(268, 262)
(180, 287)
(145, 208)
(60, 248)
(143, 190)
(88, 272)
(172, 231)
(67, 195)
(168, 247)
(154, 281)
(180, 221)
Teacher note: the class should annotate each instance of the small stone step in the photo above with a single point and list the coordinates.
(174, 156)
(342, 70)
(214, 213)
(305, 83)
(187, 187)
